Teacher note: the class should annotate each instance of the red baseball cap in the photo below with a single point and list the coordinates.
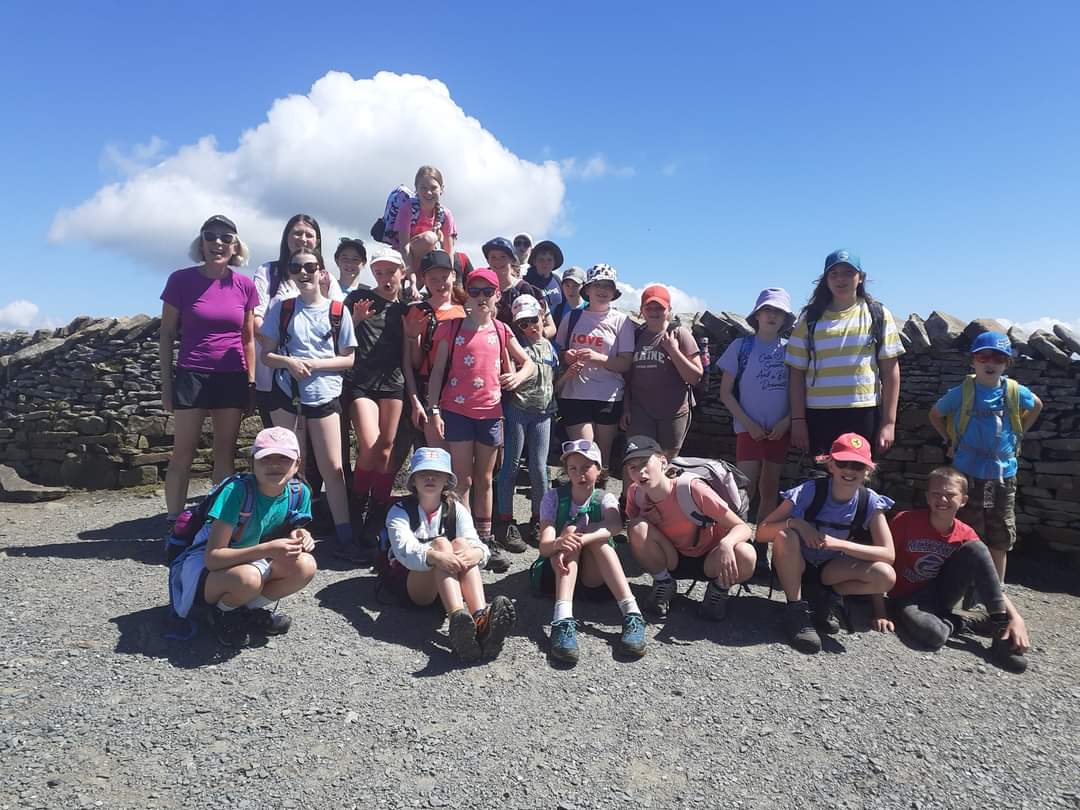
(483, 274)
(850, 447)
(656, 292)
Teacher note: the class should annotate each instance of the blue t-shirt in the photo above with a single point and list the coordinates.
(832, 511)
(987, 450)
(763, 389)
(309, 337)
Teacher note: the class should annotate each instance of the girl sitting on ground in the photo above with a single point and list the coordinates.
(577, 522)
(435, 553)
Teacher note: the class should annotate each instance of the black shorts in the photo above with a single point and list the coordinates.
(210, 390)
(280, 402)
(583, 411)
(360, 392)
(825, 424)
(690, 568)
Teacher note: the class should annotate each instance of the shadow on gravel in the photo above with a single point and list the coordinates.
(1043, 570)
(139, 540)
(385, 619)
(143, 633)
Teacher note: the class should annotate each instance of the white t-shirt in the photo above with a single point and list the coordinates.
(609, 333)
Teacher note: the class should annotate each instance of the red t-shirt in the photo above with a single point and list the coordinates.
(921, 549)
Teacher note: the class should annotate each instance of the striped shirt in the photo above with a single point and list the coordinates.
(844, 371)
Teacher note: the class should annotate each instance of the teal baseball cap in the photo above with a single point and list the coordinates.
(842, 257)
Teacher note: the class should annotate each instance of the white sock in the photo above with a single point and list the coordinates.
(563, 610)
(628, 606)
(259, 601)
(660, 576)
(223, 607)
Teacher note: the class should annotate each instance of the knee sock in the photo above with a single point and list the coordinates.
(629, 606)
(362, 481)
(483, 526)
(381, 486)
(259, 601)
(563, 610)
(660, 576)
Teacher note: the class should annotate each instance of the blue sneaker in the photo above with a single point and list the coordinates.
(633, 634)
(564, 640)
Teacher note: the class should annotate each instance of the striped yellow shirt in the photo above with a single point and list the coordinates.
(844, 371)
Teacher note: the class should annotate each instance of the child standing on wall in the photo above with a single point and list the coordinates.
(983, 420)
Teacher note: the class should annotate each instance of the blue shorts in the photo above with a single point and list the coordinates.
(458, 428)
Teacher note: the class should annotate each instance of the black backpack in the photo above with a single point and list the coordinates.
(411, 505)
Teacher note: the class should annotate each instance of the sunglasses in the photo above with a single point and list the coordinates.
(525, 323)
(307, 267)
(224, 238)
(850, 465)
(577, 446)
(990, 356)
(476, 292)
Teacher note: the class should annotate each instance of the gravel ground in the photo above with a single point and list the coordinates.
(362, 705)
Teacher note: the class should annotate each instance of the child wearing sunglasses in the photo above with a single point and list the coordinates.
(830, 539)
(299, 343)
(377, 393)
(528, 411)
(577, 522)
(475, 361)
(983, 420)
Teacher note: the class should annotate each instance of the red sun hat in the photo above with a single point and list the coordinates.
(850, 447)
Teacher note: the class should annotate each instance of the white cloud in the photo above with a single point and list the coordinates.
(335, 153)
(19, 314)
(139, 157)
(681, 302)
(1045, 323)
(594, 167)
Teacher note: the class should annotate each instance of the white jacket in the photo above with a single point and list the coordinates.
(410, 548)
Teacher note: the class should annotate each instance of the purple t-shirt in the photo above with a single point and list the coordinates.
(212, 312)
(763, 389)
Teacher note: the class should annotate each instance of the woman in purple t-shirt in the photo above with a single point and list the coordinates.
(213, 309)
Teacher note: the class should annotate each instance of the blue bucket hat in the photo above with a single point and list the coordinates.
(842, 257)
(431, 458)
(498, 243)
(995, 341)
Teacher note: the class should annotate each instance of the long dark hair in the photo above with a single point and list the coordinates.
(821, 297)
(280, 269)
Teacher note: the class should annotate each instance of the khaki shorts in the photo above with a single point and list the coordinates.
(991, 511)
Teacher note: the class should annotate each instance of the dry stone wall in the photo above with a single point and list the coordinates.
(79, 406)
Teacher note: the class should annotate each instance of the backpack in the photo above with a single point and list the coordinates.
(383, 229)
(411, 505)
(285, 316)
(877, 332)
(724, 478)
(696, 392)
(856, 530)
(957, 426)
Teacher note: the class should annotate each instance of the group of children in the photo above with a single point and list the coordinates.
(486, 360)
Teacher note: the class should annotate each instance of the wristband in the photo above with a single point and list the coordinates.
(434, 411)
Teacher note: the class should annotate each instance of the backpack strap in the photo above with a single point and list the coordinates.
(684, 493)
(247, 507)
(858, 532)
(877, 325)
(285, 316)
(504, 355)
(821, 492)
(955, 427)
(337, 311)
(575, 316)
(562, 513)
(449, 518)
(746, 346)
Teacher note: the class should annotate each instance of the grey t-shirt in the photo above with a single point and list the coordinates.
(763, 389)
(309, 337)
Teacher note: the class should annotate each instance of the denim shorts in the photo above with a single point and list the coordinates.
(458, 428)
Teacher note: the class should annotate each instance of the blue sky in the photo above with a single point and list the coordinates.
(727, 149)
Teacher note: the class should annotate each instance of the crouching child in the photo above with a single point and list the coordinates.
(672, 545)
(830, 539)
(937, 559)
(252, 549)
(434, 552)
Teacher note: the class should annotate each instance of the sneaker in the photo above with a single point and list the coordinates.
(463, 635)
(714, 603)
(510, 538)
(498, 562)
(564, 640)
(663, 591)
(230, 626)
(800, 627)
(267, 622)
(492, 625)
(1005, 655)
(633, 634)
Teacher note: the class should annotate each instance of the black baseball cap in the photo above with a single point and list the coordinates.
(221, 221)
(640, 447)
(436, 259)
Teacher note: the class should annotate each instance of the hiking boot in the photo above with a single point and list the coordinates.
(374, 523)
(508, 536)
(268, 622)
(663, 591)
(531, 533)
(492, 625)
(714, 604)
(633, 634)
(800, 627)
(1005, 655)
(498, 562)
(564, 640)
(463, 636)
(825, 604)
(230, 626)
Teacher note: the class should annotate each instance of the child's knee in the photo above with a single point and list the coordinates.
(884, 576)
(787, 543)
(442, 544)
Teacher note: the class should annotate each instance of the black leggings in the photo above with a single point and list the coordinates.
(920, 614)
(825, 424)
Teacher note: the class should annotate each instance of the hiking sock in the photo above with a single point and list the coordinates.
(629, 605)
(483, 526)
(259, 601)
(382, 484)
(362, 481)
(563, 610)
(661, 576)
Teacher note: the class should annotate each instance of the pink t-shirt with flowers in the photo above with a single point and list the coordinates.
(471, 382)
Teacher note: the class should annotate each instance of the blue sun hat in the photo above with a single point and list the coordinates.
(431, 458)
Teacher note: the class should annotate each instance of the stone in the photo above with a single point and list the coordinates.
(35, 352)
(1042, 343)
(1066, 336)
(15, 489)
(150, 458)
(90, 472)
(1060, 538)
(944, 330)
(915, 331)
(980, 325)
(138, 476)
